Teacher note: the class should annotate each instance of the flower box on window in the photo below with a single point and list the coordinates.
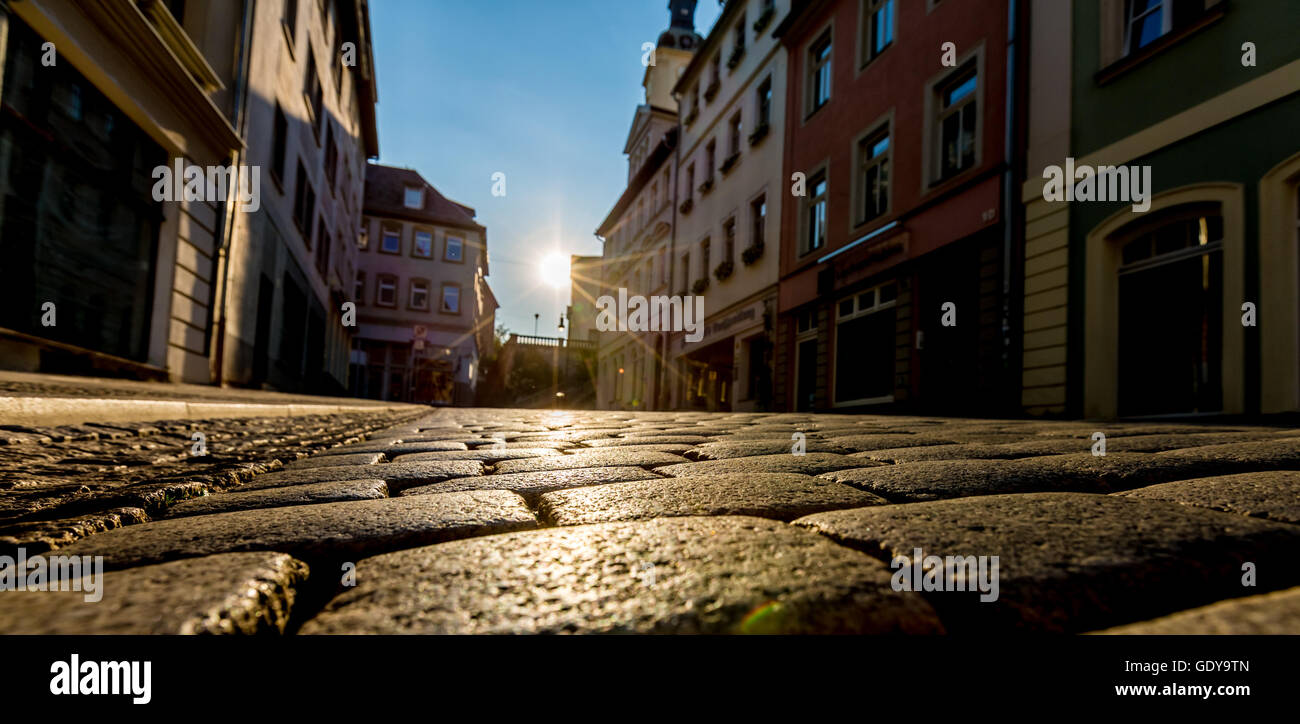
(711, 91)
(724, 270)
(764, 19)
(686, 206)
(759, 134)
(737, 53)
(730, 162)
(706, 187)
(700, 285)
(752, 254)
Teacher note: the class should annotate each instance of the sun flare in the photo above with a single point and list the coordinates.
(555, 270)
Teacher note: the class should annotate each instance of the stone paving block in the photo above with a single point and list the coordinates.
(862, 443)
(1162, 443)
(231, 593)
(619, 457)
(1276, 613)
(809, 464)
(526, 444)
(670, 575)
(686, 440)
(763, 495)
(532, 485)
(398, 475)
(749, 448)
(325, 461)
(331, 492)
(1242, 457)
(485, 455)
(398, 446)
(925, 453)
(1274, 495)
(312, 532)
(1073, 562)
(1080, 472)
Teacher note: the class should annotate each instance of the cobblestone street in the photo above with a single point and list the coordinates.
(521, 521)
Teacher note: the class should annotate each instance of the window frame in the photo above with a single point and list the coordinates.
(868, 9)
(415, 242)
(883, 126)
(411, 285)
(821, 172)
(384, 232)
(838, 319)
(814, 69)
(406, 197)
(446, 248)
(392, 281)
(442, 298)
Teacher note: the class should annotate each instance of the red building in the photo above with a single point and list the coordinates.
(896, 291)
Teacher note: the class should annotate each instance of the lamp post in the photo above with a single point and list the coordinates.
(535, 318)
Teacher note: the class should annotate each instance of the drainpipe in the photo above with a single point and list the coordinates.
(239, 110)
(1009, 195)
(672, 254)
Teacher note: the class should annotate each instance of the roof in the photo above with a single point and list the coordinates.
(386, 192)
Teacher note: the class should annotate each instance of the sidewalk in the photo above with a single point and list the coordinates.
(41, 399)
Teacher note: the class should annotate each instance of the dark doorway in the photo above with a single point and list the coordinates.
(1171, 320)
(806, 384)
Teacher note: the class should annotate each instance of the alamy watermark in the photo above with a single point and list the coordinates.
(182, 182)
(1103, 183)
(657, 314)
(53, 573)
(953, 573)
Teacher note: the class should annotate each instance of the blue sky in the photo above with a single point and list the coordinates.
(543, 91)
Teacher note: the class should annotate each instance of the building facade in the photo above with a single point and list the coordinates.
(98, 275)
(310, 124)
(425, 312)
(1192, 304)
(895, 235)
(731, 169)
(638, 231)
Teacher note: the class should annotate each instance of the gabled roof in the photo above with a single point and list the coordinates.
(386, 195)
(658, 156)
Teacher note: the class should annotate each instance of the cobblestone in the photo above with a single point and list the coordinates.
(671, 575)
(523, 521)
(246, 593)
(1074, 562)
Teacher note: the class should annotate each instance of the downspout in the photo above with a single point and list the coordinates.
(240, 113)
(1009, 368)
(672, 252)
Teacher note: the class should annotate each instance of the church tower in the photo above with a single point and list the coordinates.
(672, 54)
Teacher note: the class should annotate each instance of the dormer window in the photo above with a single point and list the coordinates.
(414, 197)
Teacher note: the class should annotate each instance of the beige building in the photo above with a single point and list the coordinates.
(309, 120)
(584, 288)
(729, 193)
(99, 277)
(637, 233)
(425, 312)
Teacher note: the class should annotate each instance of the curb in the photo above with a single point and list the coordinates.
(44, 411)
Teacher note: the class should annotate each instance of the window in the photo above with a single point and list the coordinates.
(865, 337)
(686, 271)
(704, 257)
(758, 220)
(391, 241)
(729, 238)
(957, 122)
(386, 292)
(710, 160)
(454, 249)
(363, 235)
(690, 181)
(815, 215)
(764, 104)
(423, 246)
(735, 129)
(878, 28)
(819, 73)
(279, 144)
(304, 205)
(450, 299)
(331, 155)
(873, 176)
(290, 18)
(359, 288)
(419, 296)
(323, 248)
(1146, 21)
(311, 90)
(414, 198)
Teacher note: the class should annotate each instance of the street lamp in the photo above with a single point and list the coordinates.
(535, 318)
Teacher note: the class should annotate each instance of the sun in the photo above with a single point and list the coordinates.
(555, 270)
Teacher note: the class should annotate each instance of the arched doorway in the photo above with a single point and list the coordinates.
(1171, 313)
